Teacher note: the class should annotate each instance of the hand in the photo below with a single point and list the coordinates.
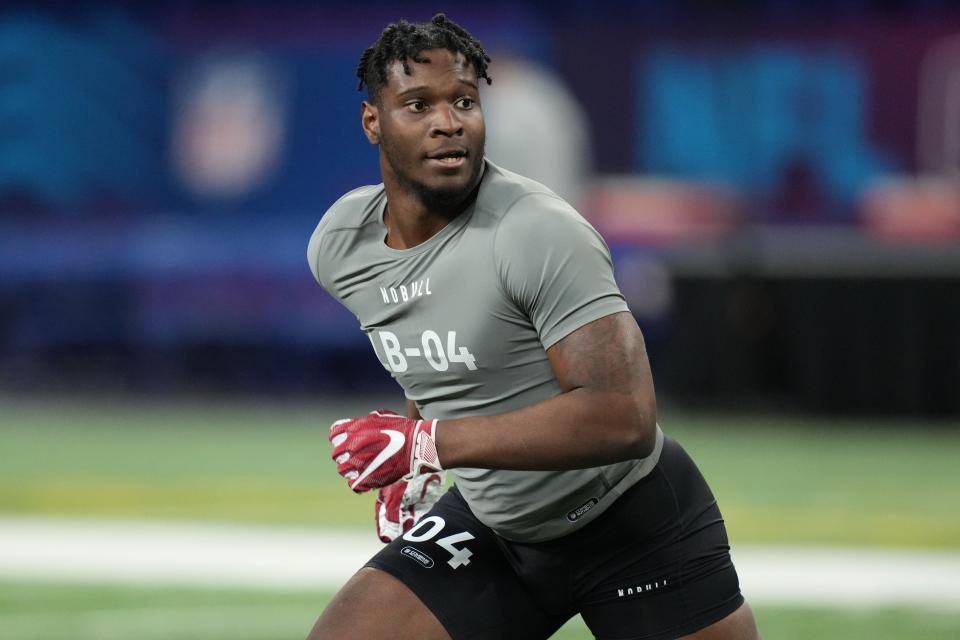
(382, 447)
(402, 504)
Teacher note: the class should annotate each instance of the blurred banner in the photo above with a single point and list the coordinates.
(780, 186)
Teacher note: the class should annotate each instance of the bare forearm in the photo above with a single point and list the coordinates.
(577, 429)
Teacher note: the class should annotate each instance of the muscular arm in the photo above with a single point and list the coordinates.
(606, 412)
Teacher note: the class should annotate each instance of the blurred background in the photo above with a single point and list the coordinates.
(779, 184)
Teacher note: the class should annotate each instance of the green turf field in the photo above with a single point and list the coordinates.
(779, 480)
(34, 611)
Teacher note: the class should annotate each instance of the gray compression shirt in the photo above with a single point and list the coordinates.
(463, 321)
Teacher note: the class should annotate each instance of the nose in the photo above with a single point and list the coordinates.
(446, 122)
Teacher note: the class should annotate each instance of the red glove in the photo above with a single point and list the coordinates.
(382, 447)
(402, 504)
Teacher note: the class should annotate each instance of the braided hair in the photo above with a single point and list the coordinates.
(404, 40)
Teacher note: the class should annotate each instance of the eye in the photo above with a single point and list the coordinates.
(466, 103)
(417, 106)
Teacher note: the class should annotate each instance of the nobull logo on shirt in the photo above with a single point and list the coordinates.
(582, 510)
(406, 292)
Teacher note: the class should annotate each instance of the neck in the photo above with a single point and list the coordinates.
(411, 221)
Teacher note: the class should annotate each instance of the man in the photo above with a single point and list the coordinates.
(493, 304)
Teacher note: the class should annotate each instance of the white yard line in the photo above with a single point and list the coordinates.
(152, 553)
(181, 553)
(158, 622)
(847, 577)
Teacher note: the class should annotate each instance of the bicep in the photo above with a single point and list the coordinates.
(607, 355)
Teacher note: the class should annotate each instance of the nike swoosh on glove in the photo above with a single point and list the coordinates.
(400, 505)
(382, 447)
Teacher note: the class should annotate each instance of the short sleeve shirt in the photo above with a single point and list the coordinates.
(463, 321)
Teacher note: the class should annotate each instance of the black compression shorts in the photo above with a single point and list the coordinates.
(655, 565)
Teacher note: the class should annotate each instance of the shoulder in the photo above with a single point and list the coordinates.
(352, 211)
(517, 202)
(529, 215)
(348, 218)
(503, 191)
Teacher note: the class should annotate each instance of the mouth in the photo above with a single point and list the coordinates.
(449, 158)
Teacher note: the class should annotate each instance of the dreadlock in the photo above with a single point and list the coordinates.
(403, 40)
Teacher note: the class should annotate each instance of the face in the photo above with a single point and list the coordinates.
(430, 129)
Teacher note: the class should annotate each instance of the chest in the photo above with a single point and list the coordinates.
(441, 324)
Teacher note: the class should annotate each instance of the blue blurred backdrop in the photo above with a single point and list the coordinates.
(778, 182)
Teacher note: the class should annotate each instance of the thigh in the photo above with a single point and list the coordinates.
(739, 625)
(456, 568)
(665, 571)
(376, 606)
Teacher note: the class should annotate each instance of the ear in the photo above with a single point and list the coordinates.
(370, 121)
